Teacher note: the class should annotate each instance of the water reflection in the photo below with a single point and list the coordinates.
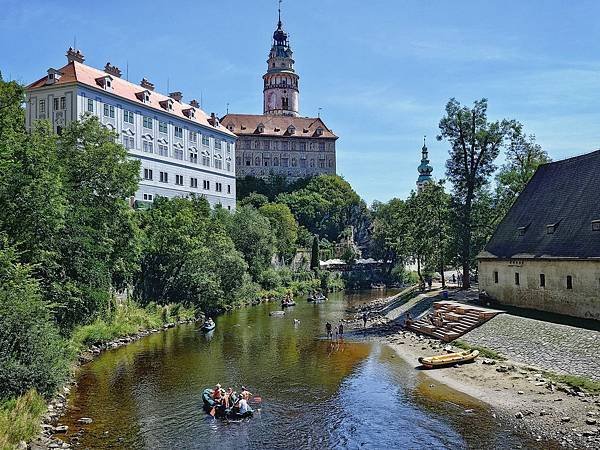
(316, 393)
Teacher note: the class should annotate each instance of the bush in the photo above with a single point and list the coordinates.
(20, 419)
(32, 353)
(269, 279)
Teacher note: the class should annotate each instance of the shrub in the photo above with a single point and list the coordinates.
(32, 353)
(20, 419)
(269, 279)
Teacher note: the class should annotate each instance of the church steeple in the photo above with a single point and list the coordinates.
(424, 168)
(280, 92)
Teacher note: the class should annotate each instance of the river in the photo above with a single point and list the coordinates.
(315, 394)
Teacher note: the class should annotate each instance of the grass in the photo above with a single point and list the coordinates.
(574, 381)
(20, 419)
(483, 351)
(127, 319)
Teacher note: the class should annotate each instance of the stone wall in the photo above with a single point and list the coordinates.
(582, 300)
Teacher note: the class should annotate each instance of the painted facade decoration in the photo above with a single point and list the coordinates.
(182, 150)
(545, 254)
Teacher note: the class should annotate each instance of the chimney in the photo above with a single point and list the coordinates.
(214, 121)
(75, 55)
(112, 70)
(177, 96)
(195, 104)
(146, 84)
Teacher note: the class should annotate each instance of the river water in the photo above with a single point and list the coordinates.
(315, 394)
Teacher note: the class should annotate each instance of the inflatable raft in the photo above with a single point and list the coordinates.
(221, 411)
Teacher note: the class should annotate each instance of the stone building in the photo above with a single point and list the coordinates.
(424, 168)
(182, 150)
(279, 141)
(545, 254)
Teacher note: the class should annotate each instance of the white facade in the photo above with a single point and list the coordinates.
(178, 157)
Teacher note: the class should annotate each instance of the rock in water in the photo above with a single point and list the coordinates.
(85, 420)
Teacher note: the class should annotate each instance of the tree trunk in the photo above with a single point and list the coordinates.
(466, 263)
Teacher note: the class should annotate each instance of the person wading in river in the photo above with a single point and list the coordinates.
(341, 331)
(328, 330)
(364, 318)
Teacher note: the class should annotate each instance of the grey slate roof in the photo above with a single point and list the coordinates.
(566, 193)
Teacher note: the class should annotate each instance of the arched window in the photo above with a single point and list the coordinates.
(257, 161)
(294, 162)
(276, 161)
(312, 163)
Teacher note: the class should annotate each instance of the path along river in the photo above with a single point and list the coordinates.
(315, 394)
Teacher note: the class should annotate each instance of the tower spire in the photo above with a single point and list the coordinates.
(424, 168)
(279, 11)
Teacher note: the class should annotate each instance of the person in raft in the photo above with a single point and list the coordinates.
(328, 330)
(218, 394)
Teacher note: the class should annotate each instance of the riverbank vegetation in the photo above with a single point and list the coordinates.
(79, 265)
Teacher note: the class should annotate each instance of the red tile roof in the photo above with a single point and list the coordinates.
(76, 72)
(247, 125)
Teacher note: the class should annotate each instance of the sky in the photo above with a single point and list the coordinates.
(382, 71)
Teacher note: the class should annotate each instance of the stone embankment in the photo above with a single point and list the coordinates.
(550, 346)
(51, 426)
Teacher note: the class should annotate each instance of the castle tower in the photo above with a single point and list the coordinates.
(424, 168)
(281, 94)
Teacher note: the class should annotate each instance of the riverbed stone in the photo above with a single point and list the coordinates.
(85, 420)
(590, 421)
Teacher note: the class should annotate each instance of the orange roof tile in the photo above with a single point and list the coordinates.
(247, 125)
(76, 72)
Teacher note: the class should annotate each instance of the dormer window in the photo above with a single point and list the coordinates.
(167, 104)
(230, 126)
(551, 228)
(190, 112)
(523, 230)
(319, 131)
(105, 82)
(595, 225)
(143, 96)
(53, 76)
(260, 128)
(291, 129)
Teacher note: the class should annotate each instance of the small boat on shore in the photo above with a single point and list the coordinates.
(430, 362)
(316, 299)
(221, 411)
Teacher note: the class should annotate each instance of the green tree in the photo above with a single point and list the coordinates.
(284, 226)
(32, 353)
(99, 240)
(474, 145)
(523, 157)
(327, 206)
(255, 200)
(253, 237)
(390, 233)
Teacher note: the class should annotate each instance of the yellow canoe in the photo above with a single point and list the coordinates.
(449, 359)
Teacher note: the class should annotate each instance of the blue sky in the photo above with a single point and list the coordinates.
(381, 70)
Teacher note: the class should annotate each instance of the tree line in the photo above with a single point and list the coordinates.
(437, 228)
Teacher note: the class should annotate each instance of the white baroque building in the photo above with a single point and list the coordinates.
(280, 141)
(182, 150)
